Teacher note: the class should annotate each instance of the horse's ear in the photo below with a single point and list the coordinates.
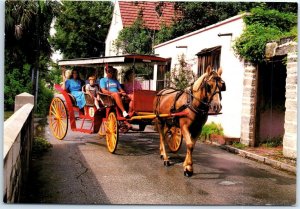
(220, 71)
(208, 69)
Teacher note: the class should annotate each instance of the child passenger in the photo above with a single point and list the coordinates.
(92, 89)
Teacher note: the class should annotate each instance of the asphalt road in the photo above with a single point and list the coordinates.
(80, 170)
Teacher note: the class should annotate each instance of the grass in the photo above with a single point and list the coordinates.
(272, 142)
(238, 145)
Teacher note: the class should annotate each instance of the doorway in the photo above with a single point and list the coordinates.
(270, 114)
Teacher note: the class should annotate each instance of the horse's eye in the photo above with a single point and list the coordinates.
(208, 87)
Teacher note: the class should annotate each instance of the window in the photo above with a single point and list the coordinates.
(209, 56)
(161, 74)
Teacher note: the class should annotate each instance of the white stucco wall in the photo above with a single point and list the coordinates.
(115, 27)
(233, 68)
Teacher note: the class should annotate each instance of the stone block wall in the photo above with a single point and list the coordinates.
(290, 125)
(18, 138)
(248, 123)
(249, 106)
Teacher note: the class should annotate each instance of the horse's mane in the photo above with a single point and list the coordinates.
(198, 82)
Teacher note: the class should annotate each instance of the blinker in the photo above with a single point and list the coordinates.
(223, 88)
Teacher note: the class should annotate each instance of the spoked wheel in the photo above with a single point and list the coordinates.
(58, 118)
(102, 129)
(112, 132)
(174, 138)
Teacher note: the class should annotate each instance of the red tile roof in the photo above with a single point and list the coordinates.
(131, 9)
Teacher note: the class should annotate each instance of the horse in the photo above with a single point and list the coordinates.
(197, 100)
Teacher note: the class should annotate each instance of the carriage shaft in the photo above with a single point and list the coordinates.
(163, 115)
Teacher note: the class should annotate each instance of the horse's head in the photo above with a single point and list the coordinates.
(212, 85)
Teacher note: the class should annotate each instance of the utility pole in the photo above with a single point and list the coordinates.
(35, 81)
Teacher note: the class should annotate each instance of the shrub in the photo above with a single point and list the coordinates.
(45, 96)
(39, 146)
(212, 128)
(181, 75)
(263, 26)
(238, 145)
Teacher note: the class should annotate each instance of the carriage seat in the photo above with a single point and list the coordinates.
(105, 99)
(73, 100)
(89, 100)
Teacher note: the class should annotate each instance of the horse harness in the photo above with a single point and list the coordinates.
(204, 103)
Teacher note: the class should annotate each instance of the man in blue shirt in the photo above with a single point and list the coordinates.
(111, 86)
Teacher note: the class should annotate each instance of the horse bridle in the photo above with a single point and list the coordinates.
(204, 104)
(217, 90)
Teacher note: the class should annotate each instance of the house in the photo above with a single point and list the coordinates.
(153, 13)
(260, 102)
(213, 45)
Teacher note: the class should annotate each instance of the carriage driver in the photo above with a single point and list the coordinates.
(111, 86)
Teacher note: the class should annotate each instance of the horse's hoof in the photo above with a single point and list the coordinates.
(161, 157)
(167, 163)
(188, 173)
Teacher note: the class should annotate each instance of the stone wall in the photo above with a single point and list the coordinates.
(18, 137)
(288, 48)
(249, 106)
(290, 125)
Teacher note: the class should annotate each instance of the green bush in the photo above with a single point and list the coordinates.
(263, 26)
(39, 146)
(45, 96)
(238, 145)
(211, 128)
(181, 75)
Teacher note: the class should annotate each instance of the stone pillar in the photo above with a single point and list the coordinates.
(290, 125)
(23, 99)
(249, 105)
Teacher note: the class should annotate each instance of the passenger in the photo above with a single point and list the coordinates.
(111, 86)
(92, 89)
(130, 85)
(67, 75)
(74, 86)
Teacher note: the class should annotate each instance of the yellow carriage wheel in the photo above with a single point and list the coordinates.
(58, 118)
(112, 132)
(102, 129)
(174, 139)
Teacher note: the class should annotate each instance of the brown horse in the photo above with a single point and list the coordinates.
(197, 100)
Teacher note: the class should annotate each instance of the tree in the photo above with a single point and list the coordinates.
(81, 28)
(197, 15)
(181, 75)
(27, 49)
(135, 39)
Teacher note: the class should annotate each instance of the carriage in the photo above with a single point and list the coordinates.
(108, 120)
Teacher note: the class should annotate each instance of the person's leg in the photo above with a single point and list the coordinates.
(119, 103)
(130, 111)
(96, 102)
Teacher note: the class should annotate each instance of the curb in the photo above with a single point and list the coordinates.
(265, 160)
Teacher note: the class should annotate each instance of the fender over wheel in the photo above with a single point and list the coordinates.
(58, 118)
(112, 132)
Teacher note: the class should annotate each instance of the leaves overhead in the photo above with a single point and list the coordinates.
(81, 28)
